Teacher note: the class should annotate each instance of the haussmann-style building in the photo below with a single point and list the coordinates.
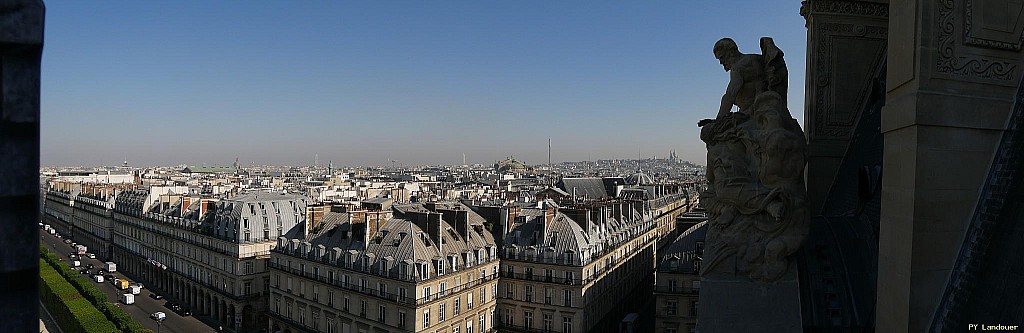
(211, 255)
(376, 268)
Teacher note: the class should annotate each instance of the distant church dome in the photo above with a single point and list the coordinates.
(639, 179)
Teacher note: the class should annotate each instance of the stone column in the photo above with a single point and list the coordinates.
(21, 46)
(952, 71)
(846, 42)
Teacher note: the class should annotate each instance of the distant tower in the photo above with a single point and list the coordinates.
(236, 165)
(549, 152)
(316, 160)
(330, 167)
(125, 162)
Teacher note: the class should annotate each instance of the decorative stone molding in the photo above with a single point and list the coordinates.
(953, 62)
(971, 39)
(848, 8)
(856, 8)
(823, 67)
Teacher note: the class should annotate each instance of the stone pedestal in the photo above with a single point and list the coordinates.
(736, 304)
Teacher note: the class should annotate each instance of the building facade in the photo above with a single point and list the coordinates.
(413, 268)
(678, 283)
(82, 212)
(209, 254)
(578, 268)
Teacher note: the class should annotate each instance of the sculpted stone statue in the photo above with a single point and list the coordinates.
(749, 74)
(756, 197)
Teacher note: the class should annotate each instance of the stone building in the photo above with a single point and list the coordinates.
(210, 255)
(677, 284)
(58, 205)
(912, 113)
(667, 201)
(410, 268)
(82, 212)
(578, 268)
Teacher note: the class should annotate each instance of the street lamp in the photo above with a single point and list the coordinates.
(159, 320)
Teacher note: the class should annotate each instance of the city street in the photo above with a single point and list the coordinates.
(144, 304)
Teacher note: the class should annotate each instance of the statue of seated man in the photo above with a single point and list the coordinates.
(749, 75)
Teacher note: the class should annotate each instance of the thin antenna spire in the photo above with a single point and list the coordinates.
(638, 158)
(549, 152)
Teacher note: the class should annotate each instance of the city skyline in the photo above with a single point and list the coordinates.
(364, 84)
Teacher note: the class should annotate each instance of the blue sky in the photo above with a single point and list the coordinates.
(363, 83)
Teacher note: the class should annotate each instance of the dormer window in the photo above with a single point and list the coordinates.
(424, 271)
(439, 266)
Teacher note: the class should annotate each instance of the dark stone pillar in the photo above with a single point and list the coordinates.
(21, 46)
(846, 45)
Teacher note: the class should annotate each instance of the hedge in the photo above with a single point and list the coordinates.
(74, 313)
(115, 314)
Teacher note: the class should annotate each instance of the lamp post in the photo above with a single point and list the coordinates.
(159, 320)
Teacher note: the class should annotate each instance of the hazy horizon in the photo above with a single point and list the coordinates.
(366, 83)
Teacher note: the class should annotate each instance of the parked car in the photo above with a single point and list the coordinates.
(158, 315)
(180, 310)
(91, 255)
(67, 241)
(90, 266)
(155, 296)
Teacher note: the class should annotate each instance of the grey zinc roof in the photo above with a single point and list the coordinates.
(680, 256)
(256, 208)
(592, 188)
(566, 239)
(401, 240)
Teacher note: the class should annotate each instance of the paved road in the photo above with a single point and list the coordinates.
(144, 304)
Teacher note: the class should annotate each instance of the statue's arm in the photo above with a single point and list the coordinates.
(735, 83)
